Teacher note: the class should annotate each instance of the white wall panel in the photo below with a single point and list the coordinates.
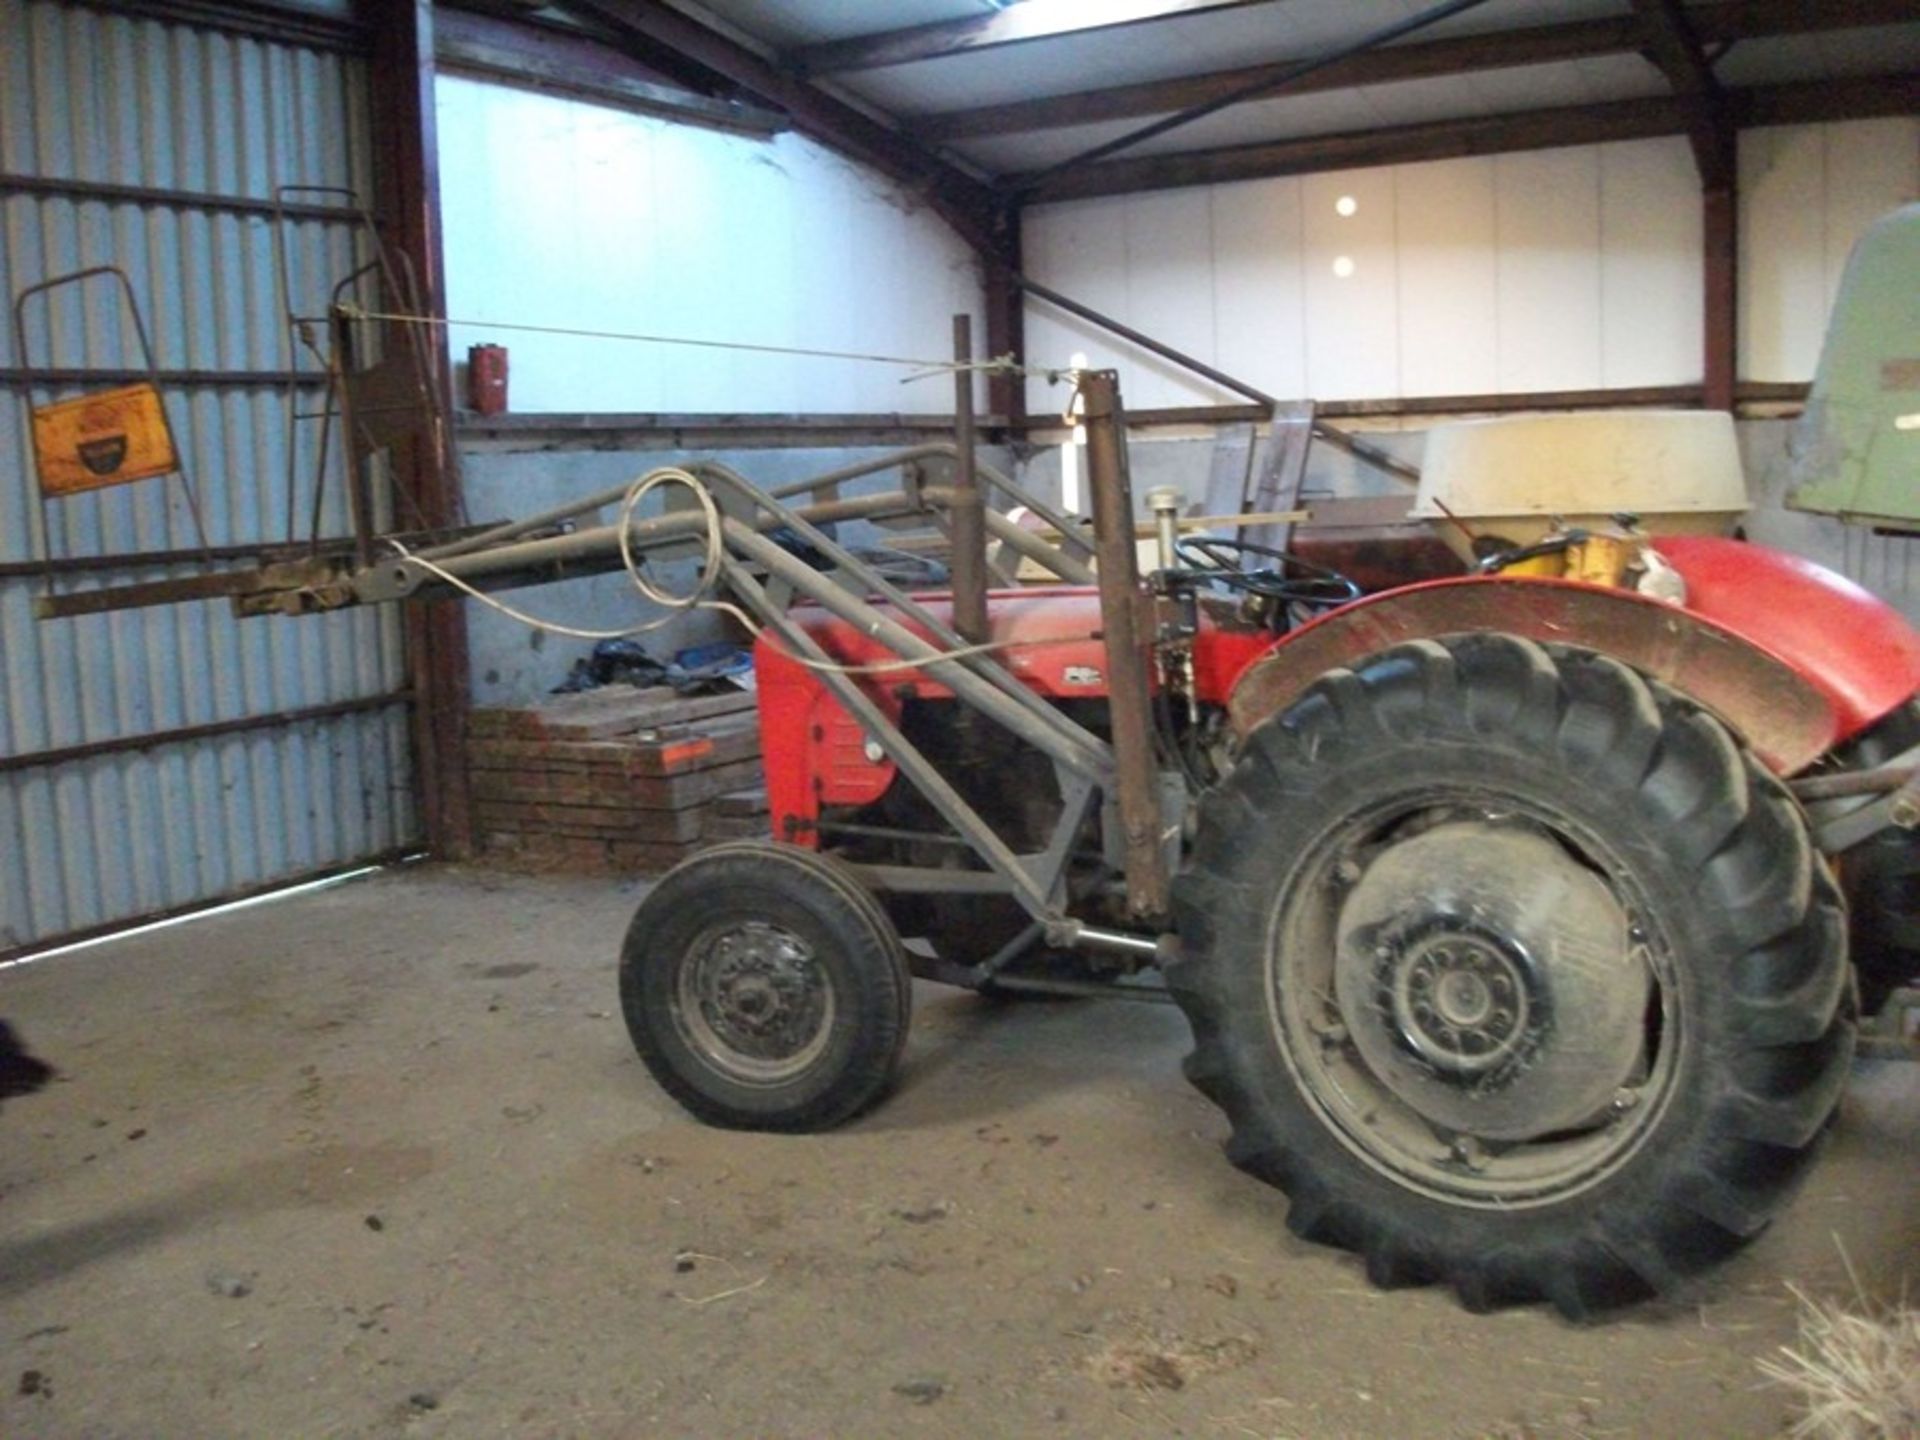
(1873, 166)
(1783, 299)
(1651, 286)
(1085, 246)
(1170, 290)
(562, 213)
(1353, 290)
(1259, 289)
(1563, 269)
(1807, 191)
(1449, 278)
(1548, 209)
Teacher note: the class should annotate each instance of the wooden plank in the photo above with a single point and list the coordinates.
(748, 802)
(602, 714)
(642, 722)
(1016, 25)
(739, 815)
(567, 792)
(676, 753)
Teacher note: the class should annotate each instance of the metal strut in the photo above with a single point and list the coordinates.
(764, 575)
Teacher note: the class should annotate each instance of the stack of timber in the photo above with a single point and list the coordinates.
(614, 781)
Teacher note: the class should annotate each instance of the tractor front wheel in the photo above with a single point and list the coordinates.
(1515, 972)
(766, 989)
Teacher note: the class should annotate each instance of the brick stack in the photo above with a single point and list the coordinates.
(614, 781)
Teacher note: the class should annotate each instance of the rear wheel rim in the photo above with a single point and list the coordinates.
(752, 999)
(1459, 1005)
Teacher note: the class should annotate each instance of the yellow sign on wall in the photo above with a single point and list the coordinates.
(109, 438)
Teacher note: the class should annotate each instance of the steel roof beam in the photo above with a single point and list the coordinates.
(1860, 98)
(1019, 24)
(962, 201)
(1676, 51)
(1714, 24)
(1444, 10)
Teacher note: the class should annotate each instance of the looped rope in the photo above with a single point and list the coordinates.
(698, 598)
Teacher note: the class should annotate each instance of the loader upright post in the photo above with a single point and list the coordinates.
(1122, 606)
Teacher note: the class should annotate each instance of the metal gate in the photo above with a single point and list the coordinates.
(155, 760)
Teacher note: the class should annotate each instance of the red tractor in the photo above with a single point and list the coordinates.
(1508, 947)
(1510, 910)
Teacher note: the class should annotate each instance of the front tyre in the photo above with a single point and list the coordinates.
(1515, 972)
(766, 989)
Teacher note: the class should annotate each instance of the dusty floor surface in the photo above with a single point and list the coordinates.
(380, 1161)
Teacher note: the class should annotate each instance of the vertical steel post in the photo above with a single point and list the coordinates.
(1137, 780)
(1720, 230)
(407, 203)
(968, 523)
(1006, 320)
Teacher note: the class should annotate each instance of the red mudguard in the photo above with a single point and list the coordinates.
(1853, 647)
(1795, 658)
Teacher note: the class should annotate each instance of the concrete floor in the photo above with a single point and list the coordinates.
(380, 1160)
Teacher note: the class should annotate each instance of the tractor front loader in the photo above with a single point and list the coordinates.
(1504, 908)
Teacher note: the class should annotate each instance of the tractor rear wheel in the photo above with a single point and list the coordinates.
(1515, 972)
(766, 989)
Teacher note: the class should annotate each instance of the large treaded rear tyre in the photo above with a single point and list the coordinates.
(1457, 1145)
(766, 989)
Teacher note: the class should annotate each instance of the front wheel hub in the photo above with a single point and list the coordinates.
(1490, 981)
(753, 998)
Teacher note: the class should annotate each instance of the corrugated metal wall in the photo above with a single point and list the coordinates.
(110, 100)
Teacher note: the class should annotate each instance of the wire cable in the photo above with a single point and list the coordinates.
(999, 364)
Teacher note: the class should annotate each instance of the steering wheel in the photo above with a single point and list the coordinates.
(1289, 580)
